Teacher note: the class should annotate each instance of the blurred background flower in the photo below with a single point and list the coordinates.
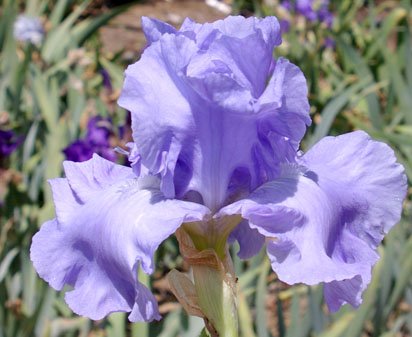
(28, 29)
(312, 10)
(97, 140)
(9, 142)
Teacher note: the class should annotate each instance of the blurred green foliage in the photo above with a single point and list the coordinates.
(46, 93)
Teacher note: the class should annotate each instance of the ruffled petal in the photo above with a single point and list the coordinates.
(197, 118)
(227, 56)
(99, 239)
(288, 110)
(153, 29)
(87, 178)
(338, 293)
(324, 218)
(368, 173)
(234, 27)
(157, 99)
(250, 240)
(370, 185)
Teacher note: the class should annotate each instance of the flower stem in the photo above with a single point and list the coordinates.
(216, 291)
(214, 287)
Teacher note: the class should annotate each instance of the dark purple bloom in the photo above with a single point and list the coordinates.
(311, 10)
(99, 131)
(217, 123)
(97, 140)
(325, 15)
(8, 142)
(78, 151)
(284, 25)
(107, 82)
(305, 8)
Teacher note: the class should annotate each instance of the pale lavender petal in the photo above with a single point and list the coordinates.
(100, 239)
(250, 240)
(160, 110)
(237, 27)
(326, 216)
(338, 293)
(370, 185)
(226, 53)
(89, 177)
(227, 58)
(153, 29)
(202, 111)
(290, 110)
(65, 200)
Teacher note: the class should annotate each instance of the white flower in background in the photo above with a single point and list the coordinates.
(28, 29)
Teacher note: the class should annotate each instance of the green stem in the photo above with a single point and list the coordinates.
(213, 294)
(216, 291)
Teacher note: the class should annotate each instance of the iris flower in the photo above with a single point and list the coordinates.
(9, 142)
(311, 10)
(217, 122)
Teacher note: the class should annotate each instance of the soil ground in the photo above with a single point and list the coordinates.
(124, 32)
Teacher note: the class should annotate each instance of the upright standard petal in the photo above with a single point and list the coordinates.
(234, 27)
(203, 115)
(108, 224)
(325, 215)
(153, 29)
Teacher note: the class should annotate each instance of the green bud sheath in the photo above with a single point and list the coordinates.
(213, 295)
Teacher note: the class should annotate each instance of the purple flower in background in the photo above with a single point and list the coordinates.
(311, 10)
(97, 140)
(107, 82)
(287, 5)
(217, 123)
(78, 151)
(28, 29)
(324, 15)
(305, 8)
(8, 142)
(284, 25)
(329, 42)
(98, 131)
